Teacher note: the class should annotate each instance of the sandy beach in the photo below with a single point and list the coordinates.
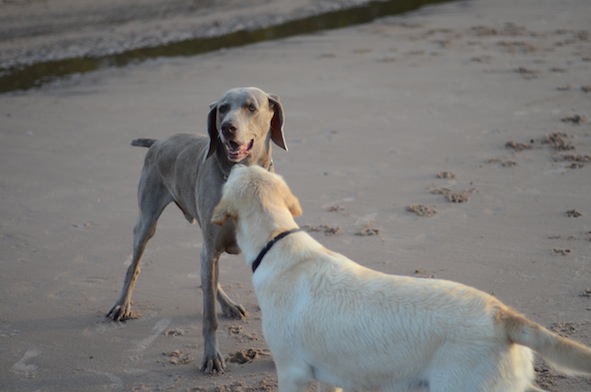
(450, 142)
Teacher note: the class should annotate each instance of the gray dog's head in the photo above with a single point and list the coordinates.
(242, 120)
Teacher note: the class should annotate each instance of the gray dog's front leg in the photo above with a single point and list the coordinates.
(212, 359)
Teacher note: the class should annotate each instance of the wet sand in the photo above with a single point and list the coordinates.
(452, 142)
(33, 31)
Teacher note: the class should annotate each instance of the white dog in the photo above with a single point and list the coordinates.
(330, 319)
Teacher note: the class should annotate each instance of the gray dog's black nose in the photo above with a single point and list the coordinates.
(228, 128)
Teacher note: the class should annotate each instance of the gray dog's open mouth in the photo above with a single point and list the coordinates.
(237, 152)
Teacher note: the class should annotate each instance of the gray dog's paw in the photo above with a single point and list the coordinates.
(237, 312)
(122, 312)
(212, 365)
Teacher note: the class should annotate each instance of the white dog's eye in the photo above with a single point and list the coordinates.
(252, 108)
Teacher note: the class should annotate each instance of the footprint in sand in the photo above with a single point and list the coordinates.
(158, 329)
(116, 382)
(24, 369)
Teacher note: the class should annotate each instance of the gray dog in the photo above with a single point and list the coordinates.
(190, 171)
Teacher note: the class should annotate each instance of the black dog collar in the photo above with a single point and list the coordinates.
(269, 245)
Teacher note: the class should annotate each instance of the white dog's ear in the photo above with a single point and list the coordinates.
(293, 204)
(222, 212)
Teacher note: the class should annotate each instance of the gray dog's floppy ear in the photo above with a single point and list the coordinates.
(277, 122)
(212, 129)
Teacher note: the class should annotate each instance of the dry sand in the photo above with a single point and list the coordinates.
(448, 142)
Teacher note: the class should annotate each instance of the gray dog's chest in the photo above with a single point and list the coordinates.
(195, 184)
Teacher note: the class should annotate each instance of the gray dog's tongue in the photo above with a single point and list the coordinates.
(240, 152)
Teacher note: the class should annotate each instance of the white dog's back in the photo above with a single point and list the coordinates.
(427, 329)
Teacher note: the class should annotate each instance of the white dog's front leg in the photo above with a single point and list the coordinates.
(290, 382)
(328, 388)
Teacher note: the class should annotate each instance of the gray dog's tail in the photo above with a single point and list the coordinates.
(143, 142)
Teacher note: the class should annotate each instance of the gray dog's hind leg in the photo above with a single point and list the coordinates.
(230, 308)
(153, 198)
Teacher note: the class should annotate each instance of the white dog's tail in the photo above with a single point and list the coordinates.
(566, 355)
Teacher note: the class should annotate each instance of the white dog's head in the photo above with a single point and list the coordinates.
(254, 190)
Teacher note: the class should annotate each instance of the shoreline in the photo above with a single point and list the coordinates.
(55, 59)
(33, 32)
